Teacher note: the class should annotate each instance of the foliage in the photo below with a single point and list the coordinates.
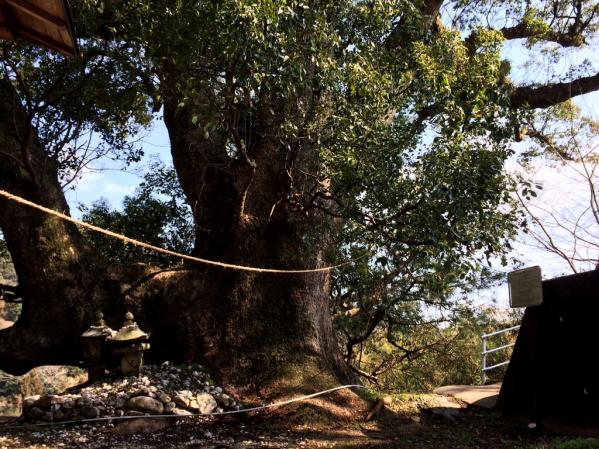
(155, 214)
(419, 357)
(578, 443)
(392, 132)
(541, 23)
(85, 109)
(411, 149)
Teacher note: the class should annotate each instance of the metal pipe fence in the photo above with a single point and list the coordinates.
(486, 351)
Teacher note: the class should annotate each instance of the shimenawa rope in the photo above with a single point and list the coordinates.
(126, 239)
(168, 252)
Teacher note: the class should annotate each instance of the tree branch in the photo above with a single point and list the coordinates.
(547, 241)
(552, 94)
(353, 341)
(524, 31)
(370, 377)
(429, 9)
(546, 140)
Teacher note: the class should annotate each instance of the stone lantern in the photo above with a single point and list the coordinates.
(94, 353)
(129, 344)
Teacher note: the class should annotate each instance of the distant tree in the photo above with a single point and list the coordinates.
(155, 214)
(419, 357)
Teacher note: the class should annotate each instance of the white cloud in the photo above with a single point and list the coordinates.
(110, 185)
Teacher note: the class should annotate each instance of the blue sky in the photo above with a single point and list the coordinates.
(110, 181)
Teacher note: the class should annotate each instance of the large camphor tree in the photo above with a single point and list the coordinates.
(303, 134)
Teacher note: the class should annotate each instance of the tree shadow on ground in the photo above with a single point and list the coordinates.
(306, 425)
(429, 429)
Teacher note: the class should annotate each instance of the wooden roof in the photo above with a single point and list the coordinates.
(43, 22)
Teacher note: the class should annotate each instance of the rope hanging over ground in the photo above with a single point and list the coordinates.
(232, 412)
(131, 241)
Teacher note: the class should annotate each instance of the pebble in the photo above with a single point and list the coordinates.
(145, 404)
(203, 403)
(90, 412)
(163, 389)
(169, 407)
(164, 398)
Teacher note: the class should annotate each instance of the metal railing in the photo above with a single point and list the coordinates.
(486, 352)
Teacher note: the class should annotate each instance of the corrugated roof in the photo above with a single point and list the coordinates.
(43, 22)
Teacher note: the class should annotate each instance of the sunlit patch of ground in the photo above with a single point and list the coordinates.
(411, 422)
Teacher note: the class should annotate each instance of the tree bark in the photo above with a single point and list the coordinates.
(253, 329)
(551, 94)
(524, 31)
(252, 326)
(49, 255)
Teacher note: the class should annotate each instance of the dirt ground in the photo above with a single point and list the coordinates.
(414, 421)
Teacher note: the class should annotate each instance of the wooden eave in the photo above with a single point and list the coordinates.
(43, 22)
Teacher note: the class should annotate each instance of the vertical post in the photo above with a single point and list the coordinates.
(484, 362)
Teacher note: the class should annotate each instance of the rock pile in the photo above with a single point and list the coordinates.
(10, 397)
(160, 390)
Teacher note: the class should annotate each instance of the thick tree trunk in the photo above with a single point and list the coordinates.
(58, 274)
(253, 329)
(253, 325)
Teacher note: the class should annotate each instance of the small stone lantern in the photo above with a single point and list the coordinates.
(129, 343)
(92, 341)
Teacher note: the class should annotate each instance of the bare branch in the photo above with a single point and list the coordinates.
(374, 321)
(548, 142)
(547, 241)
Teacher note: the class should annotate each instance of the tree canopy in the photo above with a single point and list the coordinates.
(305, 132)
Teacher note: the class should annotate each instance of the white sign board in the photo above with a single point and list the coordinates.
(526, 287)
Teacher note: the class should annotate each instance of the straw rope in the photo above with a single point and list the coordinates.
(158, 249)
(192, 415)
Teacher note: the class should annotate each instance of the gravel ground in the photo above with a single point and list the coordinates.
(414, 422)
(186, 435)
